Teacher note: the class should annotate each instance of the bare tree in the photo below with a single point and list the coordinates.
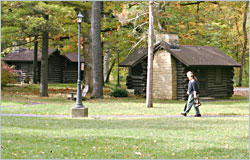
(35, 60)
(106, 60)
(44, 62)
(244, 45)
(149, 102)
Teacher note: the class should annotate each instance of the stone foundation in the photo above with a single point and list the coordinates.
(79, 112)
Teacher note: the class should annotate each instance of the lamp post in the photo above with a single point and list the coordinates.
(118, 74)
(79, 110)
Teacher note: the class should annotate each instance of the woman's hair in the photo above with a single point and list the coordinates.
(192, 75)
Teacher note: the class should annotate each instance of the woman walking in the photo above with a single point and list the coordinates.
(193, 93)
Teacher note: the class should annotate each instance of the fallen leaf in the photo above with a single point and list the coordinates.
(138, 153)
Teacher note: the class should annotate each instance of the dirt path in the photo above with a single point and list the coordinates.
(121, 116)
(241, 91)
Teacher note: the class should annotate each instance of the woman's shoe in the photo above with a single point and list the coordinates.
(197, 115)
(183, 113)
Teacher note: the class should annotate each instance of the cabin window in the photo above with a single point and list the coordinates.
(29, 68)
(218, 74)
(18, 67)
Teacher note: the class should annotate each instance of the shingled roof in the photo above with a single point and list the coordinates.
(135, 57)
(23, 55)
(72, 56)
(191, 56)
(27, 55)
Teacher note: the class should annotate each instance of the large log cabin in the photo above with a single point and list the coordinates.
(62, 68)
(213, 68)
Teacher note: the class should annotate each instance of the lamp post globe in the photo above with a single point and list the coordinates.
(79, 17)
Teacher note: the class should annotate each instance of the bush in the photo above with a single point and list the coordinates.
(27, 79)
(7, 74)
(119, 92)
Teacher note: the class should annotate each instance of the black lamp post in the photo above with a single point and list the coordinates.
(79, 96)
(118, 74)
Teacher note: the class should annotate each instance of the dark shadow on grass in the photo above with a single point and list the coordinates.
(149, 123)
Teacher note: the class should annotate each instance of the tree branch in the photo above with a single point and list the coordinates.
(136, 17)
(198, 2)
(115, 28)
(237, 27)
(21, 44)
(139, 26)
(137, 44)
(192, 3)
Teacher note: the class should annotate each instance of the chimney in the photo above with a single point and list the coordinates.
(171, 38)
(15, 48)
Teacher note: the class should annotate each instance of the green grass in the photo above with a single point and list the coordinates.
(159, 138)
(7, 103)
(132, 107)
(119, 138)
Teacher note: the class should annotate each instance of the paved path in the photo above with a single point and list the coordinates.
(121, 116)
(241, 91)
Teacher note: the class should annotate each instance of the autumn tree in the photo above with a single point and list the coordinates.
(34, 19)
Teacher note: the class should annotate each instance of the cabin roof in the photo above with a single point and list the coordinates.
(72, 56)
(191, 56)
(27, 55)
(134, 57)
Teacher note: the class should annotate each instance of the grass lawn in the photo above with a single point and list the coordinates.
(140, 138)
(119, 138)
(126, 106)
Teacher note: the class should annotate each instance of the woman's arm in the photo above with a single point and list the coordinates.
(195, 96)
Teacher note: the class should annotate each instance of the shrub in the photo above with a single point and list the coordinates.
(119, 92)
(27, 79)
(7, 74)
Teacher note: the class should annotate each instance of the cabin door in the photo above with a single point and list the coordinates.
(203, 82)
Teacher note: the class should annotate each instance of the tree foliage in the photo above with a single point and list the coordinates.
(124, 25)
(7, 74)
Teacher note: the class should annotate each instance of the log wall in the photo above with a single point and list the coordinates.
(207, 76)
(182, 81)
(137, 78)
(55, 69)
(60, 70)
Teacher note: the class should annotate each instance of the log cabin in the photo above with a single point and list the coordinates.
(62, 68)
(213, 68)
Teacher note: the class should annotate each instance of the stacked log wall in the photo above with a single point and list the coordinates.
(214, 89)
(54, 69)
(70, 72)
(225, 87)
(182, 82)
(26, 69)
(138, 77)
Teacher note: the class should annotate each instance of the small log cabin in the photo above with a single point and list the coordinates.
(213, 68)
(61, 68)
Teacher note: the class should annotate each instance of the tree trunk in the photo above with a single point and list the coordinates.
(44, 63)
(149, 102)
(97, 50)
(87, 51)
(35, 60)
(244, 45)
(106, 65)
(109, 71)
(88, 65)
